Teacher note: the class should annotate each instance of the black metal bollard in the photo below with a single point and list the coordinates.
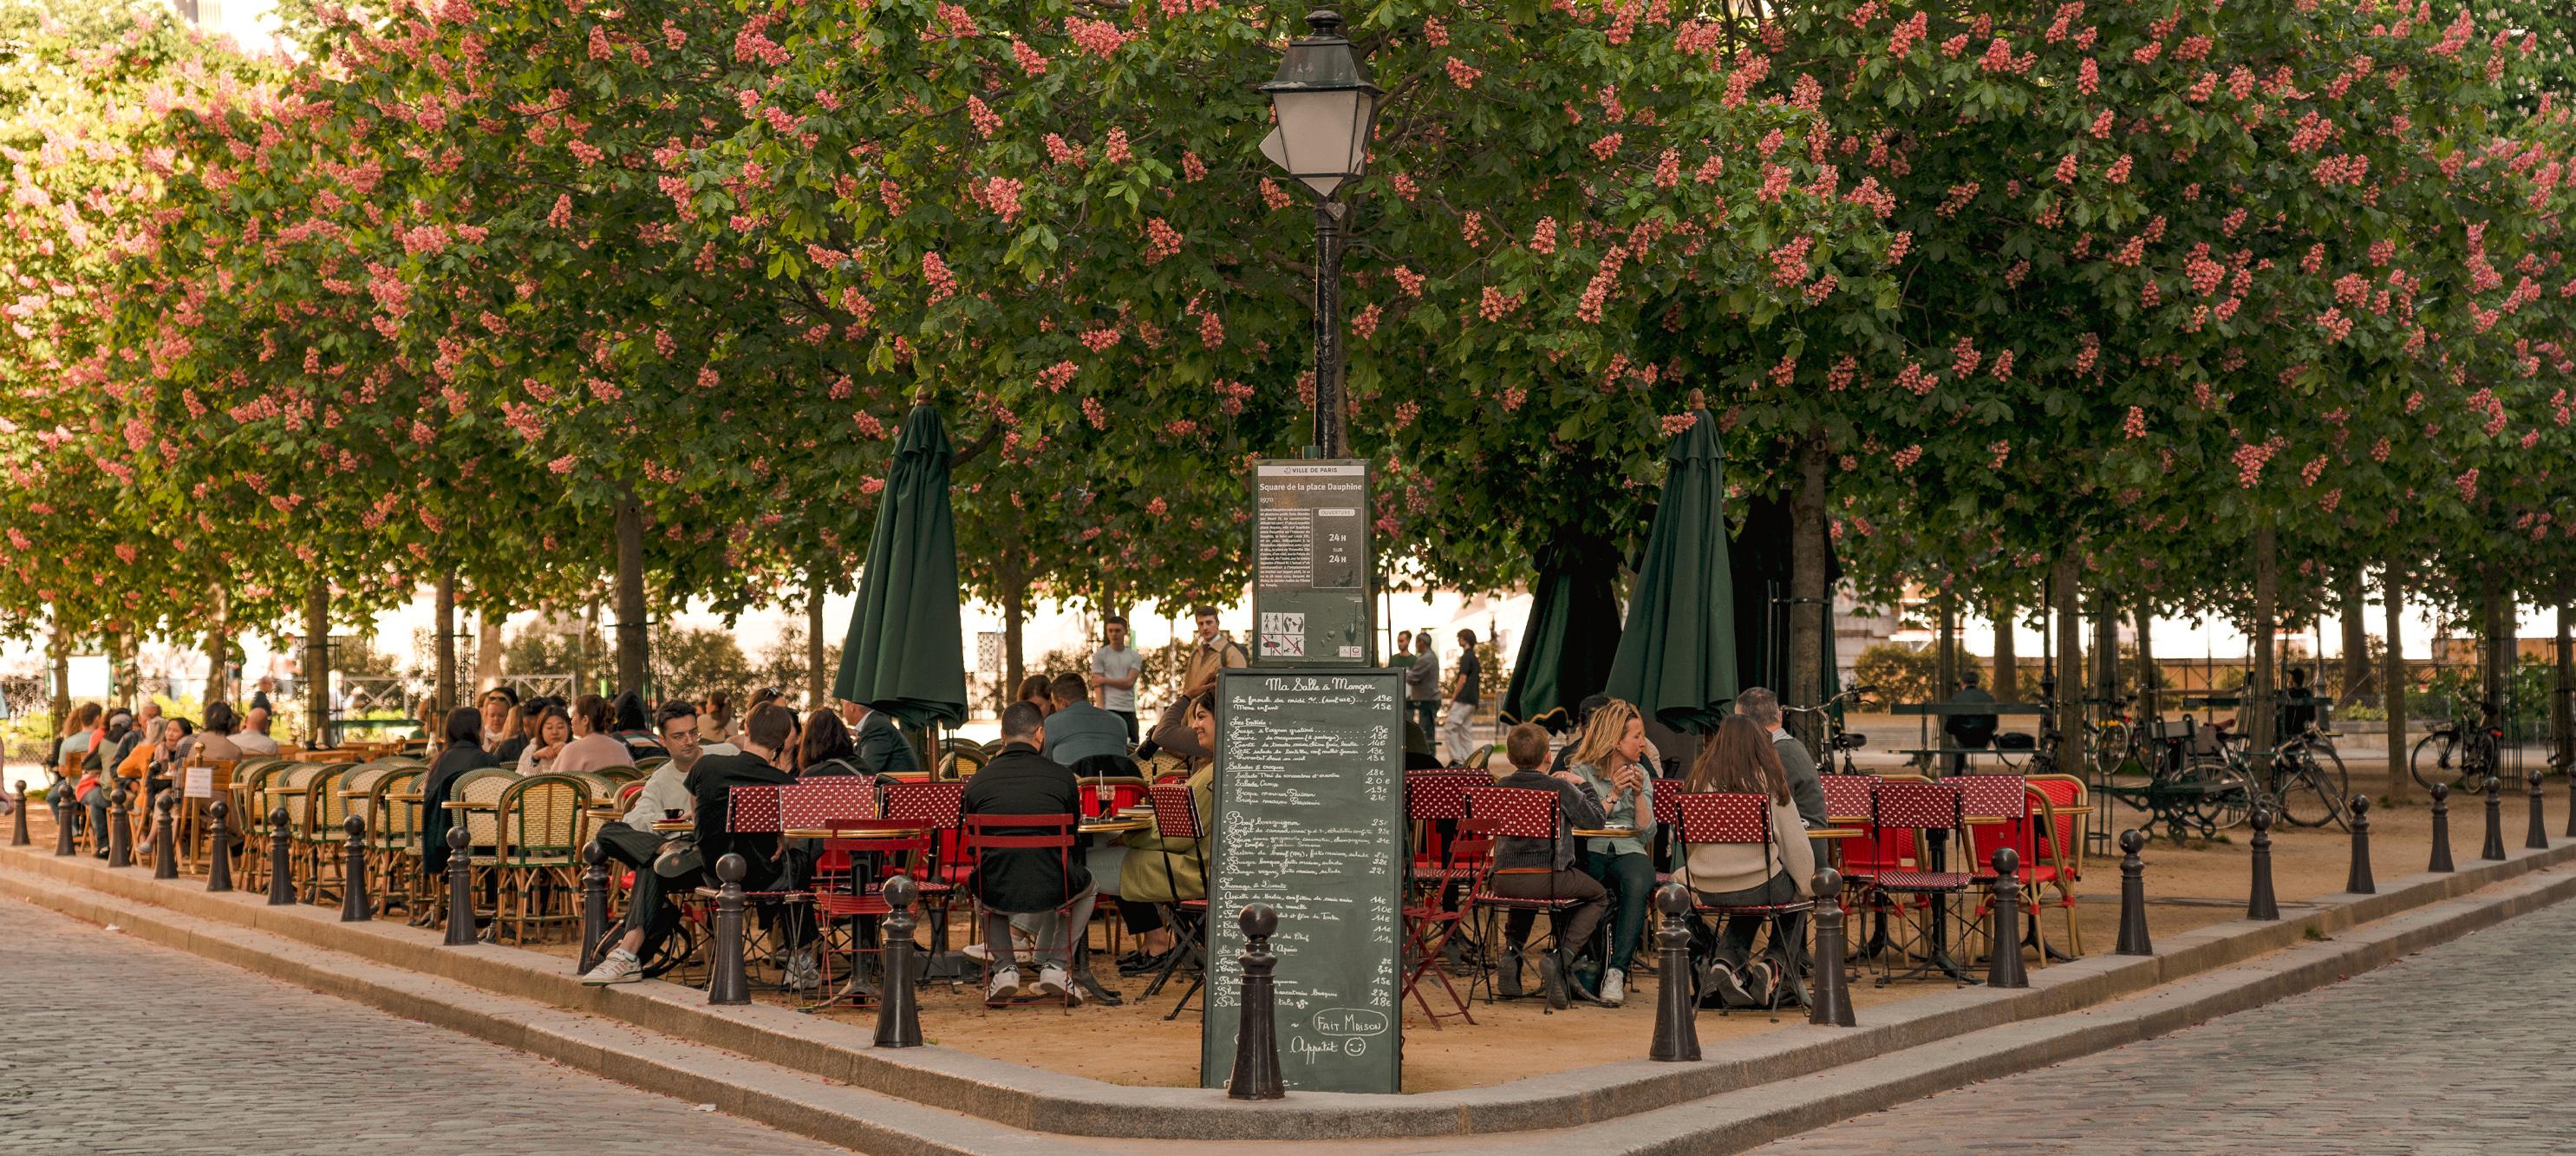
(63, 828)
(2260, 901)
(460, 887)
(1256, 1033)
(898, 1006)
(727, 983)
(2538, 837)
(219, 844)
(2133, 897)
(594, 904)
(120, 828)
(2494, 848)
(1676, 1028)
(2571, 802)
(2003, 948)
(1829, 1000)
(354, 904)
(281, 873)
(2441, 829)
(2360, 882)
(165, 830)
(18, 825)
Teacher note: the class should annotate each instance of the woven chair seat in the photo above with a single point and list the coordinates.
(1490, 898)
(1753, 908)
(1923, 880)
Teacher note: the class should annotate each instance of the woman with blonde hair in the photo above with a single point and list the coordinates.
(1610, 757)
(1742, 762)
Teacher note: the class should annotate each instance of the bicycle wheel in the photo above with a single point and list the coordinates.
(2311, 794)
(2439, 766)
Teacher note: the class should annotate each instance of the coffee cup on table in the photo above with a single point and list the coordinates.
(671, 814)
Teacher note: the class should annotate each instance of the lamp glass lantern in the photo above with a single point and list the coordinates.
(1325, 107)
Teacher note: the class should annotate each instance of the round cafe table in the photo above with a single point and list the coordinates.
(1605, 832)
(671, 826)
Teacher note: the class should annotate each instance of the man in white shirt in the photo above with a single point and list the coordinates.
(253, 739)
(633, 842)
(1114, 668)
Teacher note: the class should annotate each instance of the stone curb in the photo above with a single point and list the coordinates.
(1019, 1096)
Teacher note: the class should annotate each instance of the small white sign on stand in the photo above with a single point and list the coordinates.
(201, 783)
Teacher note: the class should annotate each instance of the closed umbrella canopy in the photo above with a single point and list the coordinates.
(1676, 659)
(1565, 649)
(904, 653)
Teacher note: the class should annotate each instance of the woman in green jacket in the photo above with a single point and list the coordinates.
(1155, 872)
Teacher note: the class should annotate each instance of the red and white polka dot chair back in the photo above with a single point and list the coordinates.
(933, 805)
(822, 802)
(1920, 806)
(1176, 811)
(752, 811)
(1668, 806)
(1991, 796)
(1430, 796)
(1516, 812)
(1709, 819)
(1848, 796)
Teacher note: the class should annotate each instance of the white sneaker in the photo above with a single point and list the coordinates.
(1052, 981)
(1614, 987)
(802, 974)
(1004, 988)
(621, 966)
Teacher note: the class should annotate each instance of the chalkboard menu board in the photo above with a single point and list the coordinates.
(1310, 820)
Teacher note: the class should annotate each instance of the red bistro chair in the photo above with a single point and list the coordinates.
(753, 810)
(1176, 816)
(1440, 915)
(1515, 813)
(1918, 808)
(934, 807)
(1709, 820)
(1057, 833)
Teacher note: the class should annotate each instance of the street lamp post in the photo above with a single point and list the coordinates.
(1325, 108)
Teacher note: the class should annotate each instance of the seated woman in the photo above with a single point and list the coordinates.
(1610, 758)
(592, 747)
(553, 731)
(631, 729)
(826, 749)
(1150, 871)
(1742, 762)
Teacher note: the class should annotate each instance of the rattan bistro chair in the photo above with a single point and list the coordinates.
(541, 827)
(393, 837)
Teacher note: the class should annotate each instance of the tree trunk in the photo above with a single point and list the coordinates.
(317, 664)
(818, 682)
(1015, 594)
(219, 645)
(121, 673)
(630, 594)
(2106, 649)
(2007, 656)
(2064, 580)
(2258, 709)
(488, 650)
(583, 673)
(2392, 679)
(2149, 703)
(444, 624)
(1945, 647)
(2562, 713)
(2357, 688)
(1808, 605)
(2499, 635)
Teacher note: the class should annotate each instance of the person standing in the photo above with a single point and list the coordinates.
(1763, 707)
(1114, 668)
(1215, 652)
(1457, 732)
(1422, 686)
(1403, 656)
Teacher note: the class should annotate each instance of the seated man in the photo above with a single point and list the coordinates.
(1047, 884)
(1972, 731)
(709, 783)
(632, 841)
(1078, 730)
(253, 739)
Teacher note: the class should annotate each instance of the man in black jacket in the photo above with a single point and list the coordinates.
(1050, 884)
(882, 750)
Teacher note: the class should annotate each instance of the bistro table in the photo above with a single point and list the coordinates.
(1605, 832)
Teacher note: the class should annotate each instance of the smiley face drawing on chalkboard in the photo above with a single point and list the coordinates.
(1356, 1046)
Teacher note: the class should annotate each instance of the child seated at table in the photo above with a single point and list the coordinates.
(1544, 869)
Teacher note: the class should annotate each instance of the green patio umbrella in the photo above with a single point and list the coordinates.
(1676, 659)
(1565, 649)
(904, 654)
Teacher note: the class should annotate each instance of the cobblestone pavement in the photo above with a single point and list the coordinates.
(2459, 1049)
(109, 1044)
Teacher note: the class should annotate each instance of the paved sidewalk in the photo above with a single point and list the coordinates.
(2459, 1049)
(108, 1044)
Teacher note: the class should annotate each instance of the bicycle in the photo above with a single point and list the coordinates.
(2297, 785)
(2462, 757)
(1837, 739)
